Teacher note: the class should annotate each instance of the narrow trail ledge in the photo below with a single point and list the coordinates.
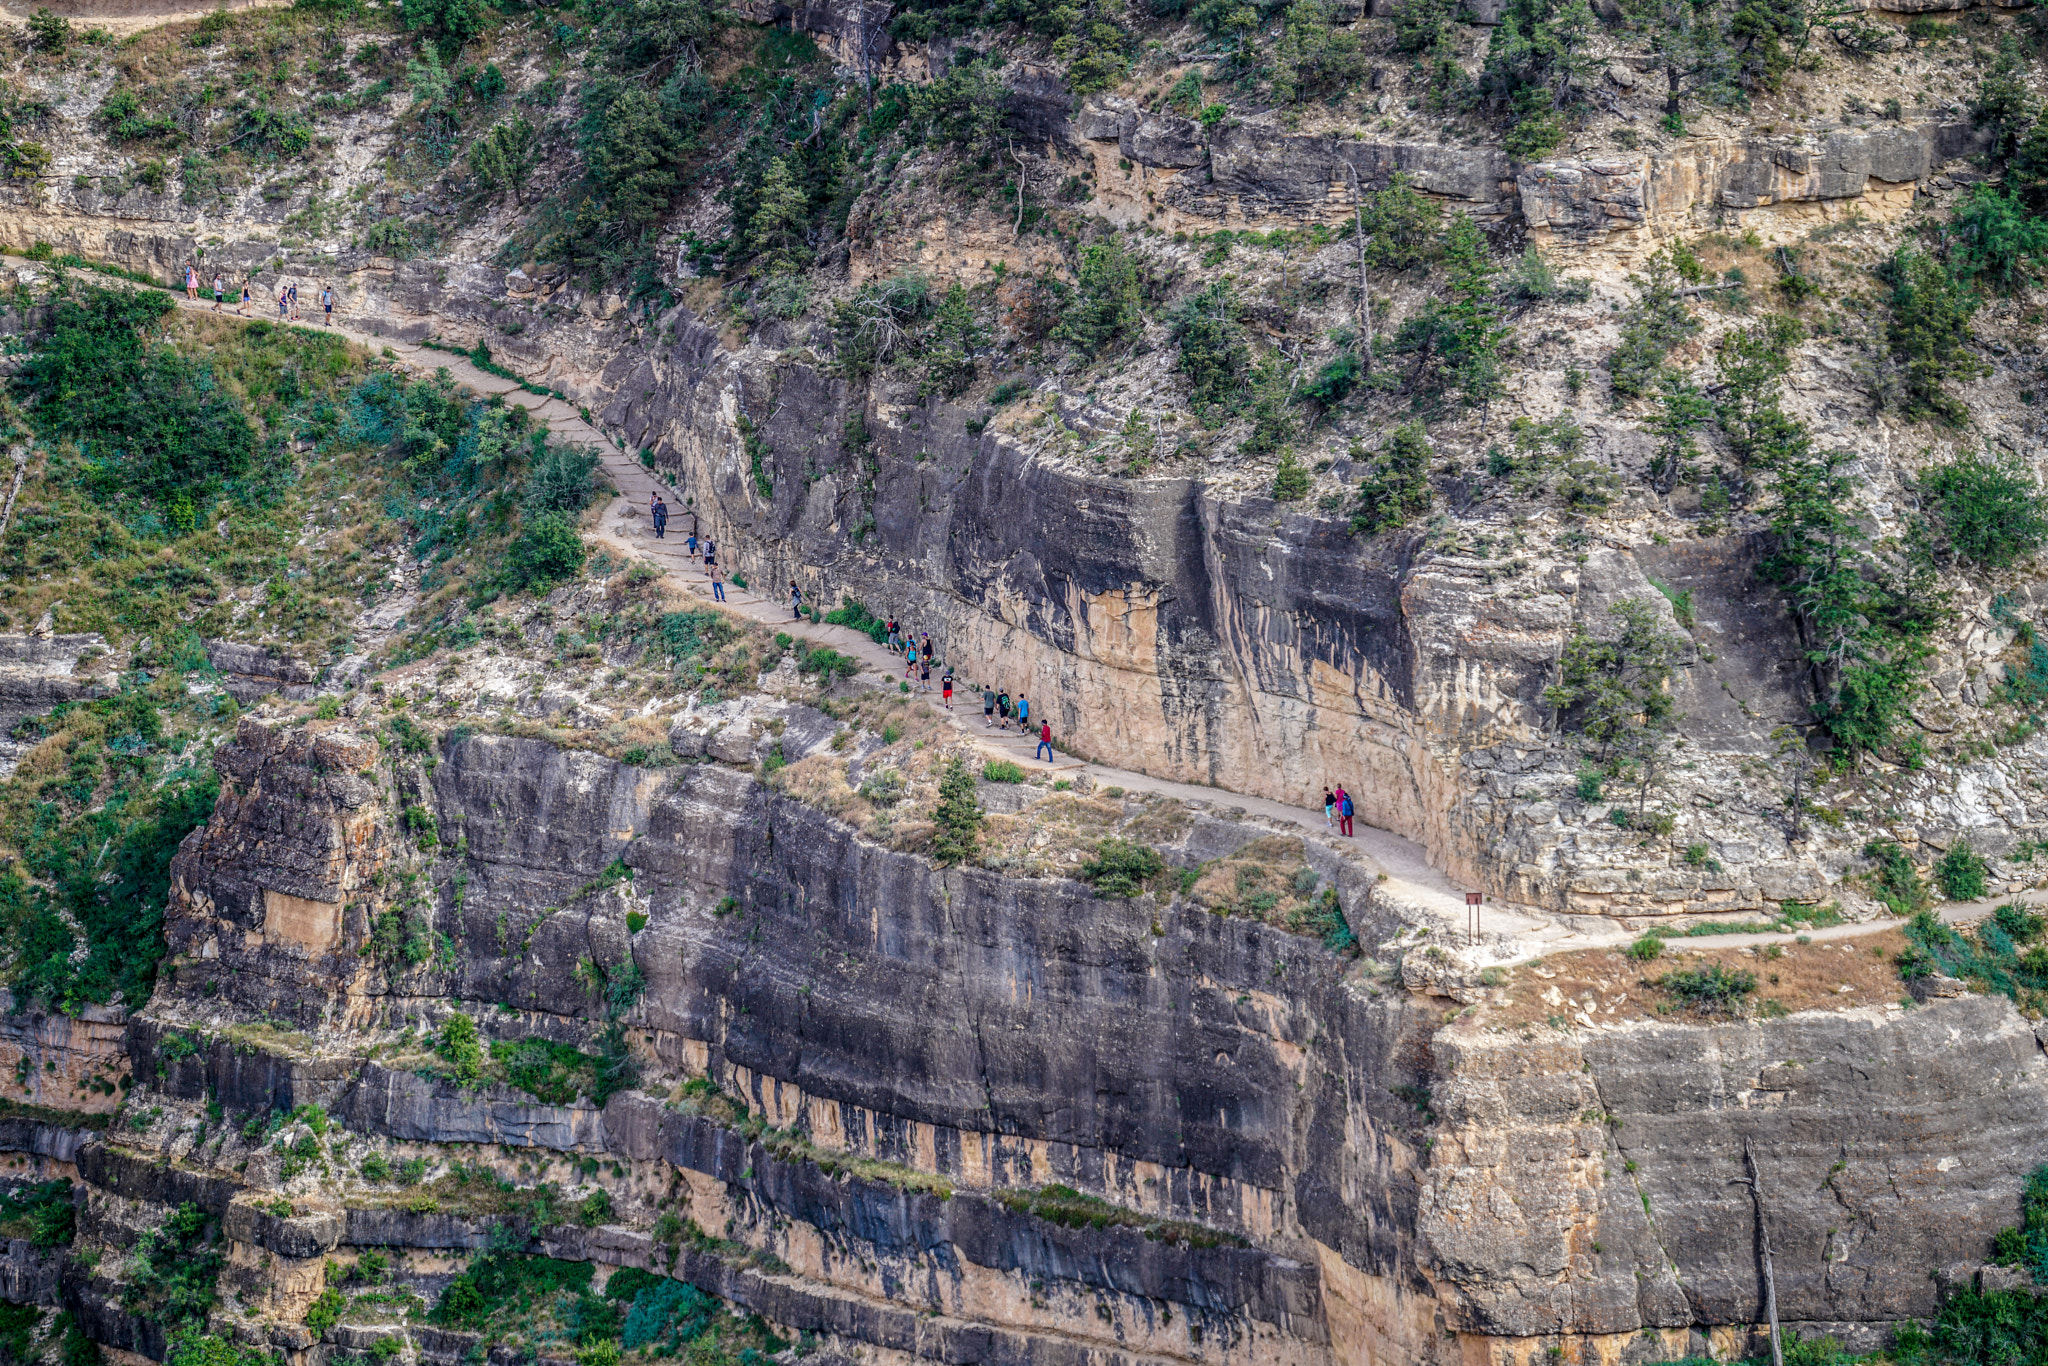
(1507, 933)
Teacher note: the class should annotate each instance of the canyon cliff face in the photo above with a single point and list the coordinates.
(1307, 1162)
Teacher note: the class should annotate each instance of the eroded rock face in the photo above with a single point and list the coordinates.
(36, 673)
(997, 1032)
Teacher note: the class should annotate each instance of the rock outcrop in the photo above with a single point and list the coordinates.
(1295, 1159)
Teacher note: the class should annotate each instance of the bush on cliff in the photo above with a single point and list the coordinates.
(1121, 868)
(1992, 509)
(172, 1276)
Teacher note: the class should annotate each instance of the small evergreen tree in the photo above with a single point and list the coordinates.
(1473, 332)
(1105, 308)
(958, 816)
(1753, 361)
(1616, 692)
(1396, 489)
(1657, 321)
(952, 345)
(1213, 354)
(1314, 55)
(1928, 336)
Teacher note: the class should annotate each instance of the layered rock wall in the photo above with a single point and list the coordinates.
(1377, 1181)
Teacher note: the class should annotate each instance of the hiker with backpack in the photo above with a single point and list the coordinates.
(660, 519)
(1344, 810)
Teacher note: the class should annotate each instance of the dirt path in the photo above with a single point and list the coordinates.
(625, 528)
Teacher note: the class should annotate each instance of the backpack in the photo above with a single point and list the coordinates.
(1347, 804)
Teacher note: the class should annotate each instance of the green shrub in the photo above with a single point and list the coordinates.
(1653, 324)
(1709, 990)
(158, 424)
(546, 551)
(1961, 873)
(1002, 771)
(1290, 480)
(1993, 239)
(172, 1276)
(1991, 509)
(42, 1212)
(1120, 868)
(1646, 948)
(461, 1049)
(324, 1312)
(1892, 879)
(1395, 488)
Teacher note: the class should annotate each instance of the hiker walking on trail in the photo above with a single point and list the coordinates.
(690, 546)
(295, 300)
(988, 705)
(1023, 715)
(1003, 708)
(284, 302)
(191, 282)
(219, 291)
(1343, 811)
(327, 304)
(248, 297)
(660, 520)
(1329, 807)
(909, 663)
(711, 562)
(895, 643)
(796, 601)
(946, 684)
(924, 674)
(1044, 750)
(717, 584)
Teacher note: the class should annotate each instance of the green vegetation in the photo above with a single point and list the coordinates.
(42, 1212)
(1213, 355)
(1711, 990)
(1992, 509)
(94, 816)
(1069, 1208)
(1395, 488)
(1002, 771)
(1657, 321)
(1615, 692)
(458, 1046)
(541, 1304)
(2003, 954)
(1927, 337)
(172, 1274)
(1892, 878)
(1647, 948)
(958, 817)
(1121, 868)
(852, 614)
(1961, 872)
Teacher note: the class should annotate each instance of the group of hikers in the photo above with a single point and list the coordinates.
(287, 296)
(1337, 809)
(704, 549)
(916, 649)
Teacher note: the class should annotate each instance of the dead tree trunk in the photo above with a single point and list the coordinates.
(1763, 1236)
(1364, 290)
(20, 454)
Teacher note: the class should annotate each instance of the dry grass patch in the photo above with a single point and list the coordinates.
(1608, 987)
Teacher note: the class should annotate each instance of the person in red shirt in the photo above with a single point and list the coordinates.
(1044, 749)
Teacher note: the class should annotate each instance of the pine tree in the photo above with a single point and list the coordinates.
(952, 345)
(780, 210)
(1105, 310)
(958, 817)
(1472, 332)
